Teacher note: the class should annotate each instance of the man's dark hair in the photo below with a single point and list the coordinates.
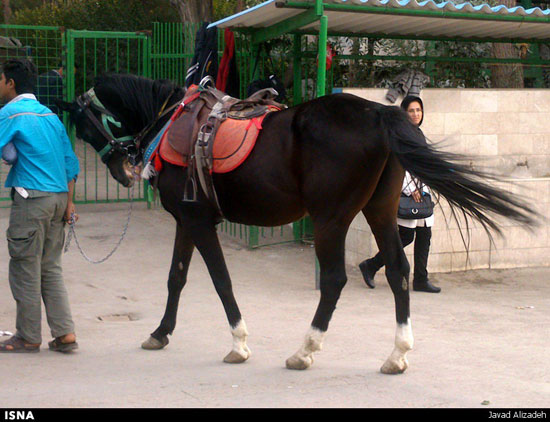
(23, 72)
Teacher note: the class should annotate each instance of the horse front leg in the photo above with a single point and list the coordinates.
(330, 251)
(181, 258)
(206, 240)
(397, 274)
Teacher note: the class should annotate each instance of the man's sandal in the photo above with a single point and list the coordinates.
(18, 345)
(58, 346)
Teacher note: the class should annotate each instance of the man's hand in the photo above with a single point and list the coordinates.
(71, 216)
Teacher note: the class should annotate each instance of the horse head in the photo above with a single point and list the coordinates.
(115, 116)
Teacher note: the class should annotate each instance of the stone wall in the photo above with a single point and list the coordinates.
(508, 132)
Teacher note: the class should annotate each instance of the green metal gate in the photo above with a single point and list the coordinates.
(89, 54)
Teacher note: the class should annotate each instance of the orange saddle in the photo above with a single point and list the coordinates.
(233, 143)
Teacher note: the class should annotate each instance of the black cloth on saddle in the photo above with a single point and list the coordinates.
(273, 81)
(205, 60)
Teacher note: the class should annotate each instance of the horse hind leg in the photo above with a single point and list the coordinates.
(397, 273)
(177, 278)
(330, 250)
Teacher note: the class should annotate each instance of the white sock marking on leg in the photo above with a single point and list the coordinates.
(313, 342)
(240, 334)
(397, 362)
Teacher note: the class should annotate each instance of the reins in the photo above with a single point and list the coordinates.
(72, 233)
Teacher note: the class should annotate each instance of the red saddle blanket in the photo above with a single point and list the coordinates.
(233, 143)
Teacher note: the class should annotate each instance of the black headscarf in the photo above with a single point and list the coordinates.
(408, 100)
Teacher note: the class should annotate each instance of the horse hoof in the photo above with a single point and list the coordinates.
(153, 344)
(394, 368)
(298, 362)
(236, 357)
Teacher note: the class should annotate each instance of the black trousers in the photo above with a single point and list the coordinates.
(421, 250)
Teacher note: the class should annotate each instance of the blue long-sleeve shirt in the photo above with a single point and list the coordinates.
(46, 160)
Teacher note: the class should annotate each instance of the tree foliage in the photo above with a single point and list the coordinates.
(112, 15)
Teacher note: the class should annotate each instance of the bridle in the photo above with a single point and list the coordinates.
(127, 145)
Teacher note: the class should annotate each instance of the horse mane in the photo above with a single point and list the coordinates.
(135, 99)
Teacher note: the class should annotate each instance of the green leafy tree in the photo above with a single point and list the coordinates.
(6, 11)
(114, 15)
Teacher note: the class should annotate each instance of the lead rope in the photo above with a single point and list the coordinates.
(72, 233)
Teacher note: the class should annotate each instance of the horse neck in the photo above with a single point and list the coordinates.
(162, 121)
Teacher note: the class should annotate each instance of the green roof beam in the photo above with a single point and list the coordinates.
(286, 26)
(425, 38)
(487, 60)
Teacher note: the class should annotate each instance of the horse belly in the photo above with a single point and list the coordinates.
(264, 190)
(258, 203)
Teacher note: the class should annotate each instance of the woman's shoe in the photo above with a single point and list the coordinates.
(368, 272)
(425, 286)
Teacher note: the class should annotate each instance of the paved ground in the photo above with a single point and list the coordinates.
(483, 342)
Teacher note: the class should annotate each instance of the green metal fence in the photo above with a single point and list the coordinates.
(42, 44)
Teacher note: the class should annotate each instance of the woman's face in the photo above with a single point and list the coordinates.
(415, 112)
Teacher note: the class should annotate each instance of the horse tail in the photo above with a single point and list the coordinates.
(451, 176)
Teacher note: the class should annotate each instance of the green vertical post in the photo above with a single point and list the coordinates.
(69, 49)
(67, 44)
(146, 54)
(322, 65)
(254, 59)
(253, 236)
(321, 87)
(297, 69)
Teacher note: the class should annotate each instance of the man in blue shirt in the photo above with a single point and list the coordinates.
(42, 181)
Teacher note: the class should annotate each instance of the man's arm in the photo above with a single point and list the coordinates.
(70, 211)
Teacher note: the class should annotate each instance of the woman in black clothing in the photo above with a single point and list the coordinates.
(422, 228)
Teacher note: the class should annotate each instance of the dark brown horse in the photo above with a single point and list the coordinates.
(329, 158)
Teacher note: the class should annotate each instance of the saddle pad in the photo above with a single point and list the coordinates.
(233, 143)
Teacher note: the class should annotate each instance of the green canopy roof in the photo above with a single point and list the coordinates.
(394, 19)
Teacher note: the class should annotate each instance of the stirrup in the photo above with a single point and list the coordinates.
(190, 181)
